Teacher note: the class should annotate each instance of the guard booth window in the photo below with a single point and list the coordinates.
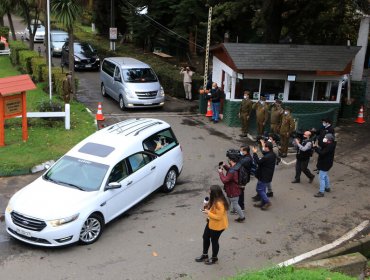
(300, 90)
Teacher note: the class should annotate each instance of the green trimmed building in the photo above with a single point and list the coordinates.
(307, 78)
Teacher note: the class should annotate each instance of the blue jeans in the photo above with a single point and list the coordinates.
(215, 110)
(261, 190)
(324, 180)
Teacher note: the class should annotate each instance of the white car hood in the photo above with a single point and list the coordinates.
(47, 201)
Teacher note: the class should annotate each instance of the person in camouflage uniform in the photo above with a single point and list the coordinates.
(262, 114)
(244, 113)
(286, 129)
(276, 114)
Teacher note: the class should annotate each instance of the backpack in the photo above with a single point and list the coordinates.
(244, 176)
(245, 172)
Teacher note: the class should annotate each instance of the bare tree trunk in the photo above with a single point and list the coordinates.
(273, 20)
(2, 20)
(71, 61)
(11, 25)
(46, 43)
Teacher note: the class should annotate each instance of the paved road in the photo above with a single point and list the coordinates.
(159, 238)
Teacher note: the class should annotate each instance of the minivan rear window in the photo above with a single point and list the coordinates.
(139, 75)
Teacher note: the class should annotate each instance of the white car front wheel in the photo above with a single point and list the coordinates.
(91, 229)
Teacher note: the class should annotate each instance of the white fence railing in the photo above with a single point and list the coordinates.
(66, 115)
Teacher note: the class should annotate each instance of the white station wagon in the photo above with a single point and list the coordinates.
(97, 180)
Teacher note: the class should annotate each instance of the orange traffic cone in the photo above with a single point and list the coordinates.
(209, 109)
(360, 117)
(99, 113)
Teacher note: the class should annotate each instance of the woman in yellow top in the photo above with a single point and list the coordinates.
(217, 222)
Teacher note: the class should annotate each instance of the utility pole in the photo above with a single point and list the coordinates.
(207, 47)
(112, 29)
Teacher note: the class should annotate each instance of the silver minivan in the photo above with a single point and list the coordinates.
(130, 82)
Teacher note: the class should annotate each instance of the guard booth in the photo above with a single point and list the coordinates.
(13, 102)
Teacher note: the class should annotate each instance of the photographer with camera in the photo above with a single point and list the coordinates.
(231, 184)
(304, 149)
(265, 172)
(187, 81)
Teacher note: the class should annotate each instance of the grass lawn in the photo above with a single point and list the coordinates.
(48, 140)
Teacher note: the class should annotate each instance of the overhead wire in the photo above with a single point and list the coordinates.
(172, 33)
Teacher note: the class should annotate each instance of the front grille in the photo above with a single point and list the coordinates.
(27, 222)
(146, 95)
(34, 239)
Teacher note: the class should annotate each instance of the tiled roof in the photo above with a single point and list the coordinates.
(14, 84)
(289, 57)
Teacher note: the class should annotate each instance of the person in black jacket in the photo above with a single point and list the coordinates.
(325, 129)
(304, 152)
(264, 172)
(325, 162)
(216, 95)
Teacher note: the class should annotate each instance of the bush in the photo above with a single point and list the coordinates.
(2, 46)
(38, 67)
(25, 57)
(4, 32)
(16, 47)
(50, 106)
(57, 78)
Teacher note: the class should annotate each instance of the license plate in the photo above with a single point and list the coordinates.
(147, 103)
(88, 65)
(23, 232)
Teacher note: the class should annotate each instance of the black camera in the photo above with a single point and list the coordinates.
(261, 137)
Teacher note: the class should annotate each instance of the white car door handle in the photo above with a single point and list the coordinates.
(153, 168)
(129, 183)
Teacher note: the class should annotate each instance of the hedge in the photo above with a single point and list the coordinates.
(16, 47)
(25, 57)
(2, 46)
(38, 68)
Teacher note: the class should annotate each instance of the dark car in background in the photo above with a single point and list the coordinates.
(85, 56)
(57, 40)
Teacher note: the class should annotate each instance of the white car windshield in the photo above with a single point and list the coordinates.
(77, 173)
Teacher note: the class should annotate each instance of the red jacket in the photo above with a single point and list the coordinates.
(230, 181)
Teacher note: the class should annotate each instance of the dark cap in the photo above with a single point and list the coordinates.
(269, 145)
(329, 136)
(326, 120)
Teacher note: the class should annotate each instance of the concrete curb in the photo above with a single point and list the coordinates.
(349, 259)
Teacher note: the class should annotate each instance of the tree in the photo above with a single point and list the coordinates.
(67, 12)
(6, 9)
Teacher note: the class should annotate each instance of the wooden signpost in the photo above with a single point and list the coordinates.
(13, 102)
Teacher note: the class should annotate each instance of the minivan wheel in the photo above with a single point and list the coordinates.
(121, 103)
(91, 229)
(170, 180)
(102, 89)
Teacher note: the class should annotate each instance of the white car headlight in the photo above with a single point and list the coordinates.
(161, 92)
(59, 222)
(9, 208)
